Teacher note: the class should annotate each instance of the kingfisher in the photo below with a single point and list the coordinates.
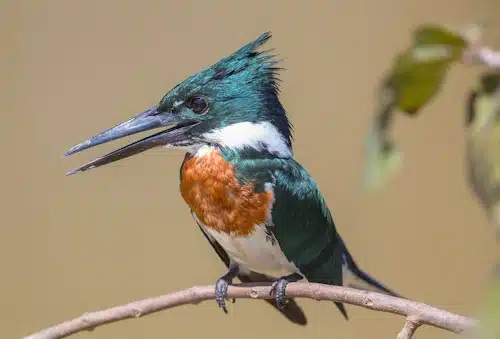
(261, 211)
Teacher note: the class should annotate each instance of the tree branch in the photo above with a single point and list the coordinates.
(482, 55)
(411, 325)
(416, 313)
(488, 57)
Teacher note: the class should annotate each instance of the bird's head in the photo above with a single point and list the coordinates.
(233, 103)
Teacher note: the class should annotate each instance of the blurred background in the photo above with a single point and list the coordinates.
(122, 232)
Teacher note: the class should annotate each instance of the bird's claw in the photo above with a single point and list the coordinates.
(221, 293)
(222, 285)
(278, 288)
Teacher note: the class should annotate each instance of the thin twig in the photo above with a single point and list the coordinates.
(419, 313)
(482, 55)
(476, 52)
(488, 57)
(411, 325)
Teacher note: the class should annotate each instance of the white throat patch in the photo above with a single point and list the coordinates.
(259, 136)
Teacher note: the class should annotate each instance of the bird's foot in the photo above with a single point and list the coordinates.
(278, 288)
(221, 293)
(221, 287)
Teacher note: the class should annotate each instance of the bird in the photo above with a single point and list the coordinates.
(258, 207)
(483, 145)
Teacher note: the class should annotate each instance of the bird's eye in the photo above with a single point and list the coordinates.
(198, 105)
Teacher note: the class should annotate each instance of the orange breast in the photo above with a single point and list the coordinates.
(209, 187)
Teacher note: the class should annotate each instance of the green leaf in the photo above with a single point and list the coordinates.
(437, 35)
(416, 76)
(483, 144)
(418, 73)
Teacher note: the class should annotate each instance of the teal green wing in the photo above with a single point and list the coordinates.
(306, 233)
(303, 225)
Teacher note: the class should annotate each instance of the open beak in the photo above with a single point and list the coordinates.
(145, 121)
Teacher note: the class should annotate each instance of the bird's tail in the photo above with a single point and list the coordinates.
(355, 277)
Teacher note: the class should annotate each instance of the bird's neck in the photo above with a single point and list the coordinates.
(257, 137)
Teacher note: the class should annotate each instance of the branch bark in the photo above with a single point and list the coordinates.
(489, 57)
(411, 325)
(416, 313)
(482, 55)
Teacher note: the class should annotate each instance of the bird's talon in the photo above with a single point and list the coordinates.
(279, 289)
(273, 287)
(221, 294)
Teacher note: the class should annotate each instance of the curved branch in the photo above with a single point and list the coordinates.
(417, 313)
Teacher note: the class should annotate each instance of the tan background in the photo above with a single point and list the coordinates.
(76, 244)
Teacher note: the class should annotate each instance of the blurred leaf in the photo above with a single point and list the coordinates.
(489, 317)
(483, 144)
(382, 161)
(417, 74)
(438, 35)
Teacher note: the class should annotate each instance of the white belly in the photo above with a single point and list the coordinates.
(256, 252)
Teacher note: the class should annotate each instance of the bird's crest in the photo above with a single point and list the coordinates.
(259, 65)
(247, 66)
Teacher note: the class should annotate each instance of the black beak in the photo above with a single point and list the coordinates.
(145, 121)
